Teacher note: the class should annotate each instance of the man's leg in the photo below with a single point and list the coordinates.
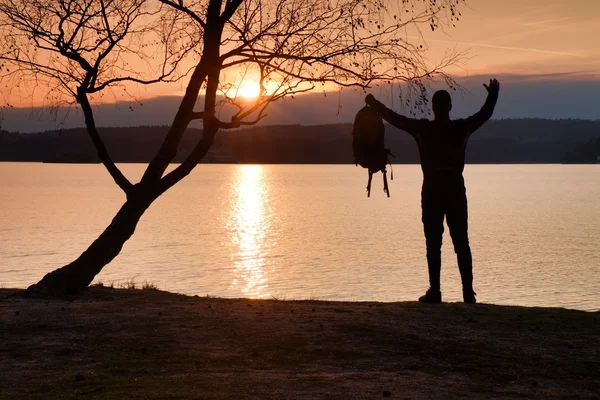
(433, 226)
(457, 219)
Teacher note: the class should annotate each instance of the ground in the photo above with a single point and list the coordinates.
(147, 344)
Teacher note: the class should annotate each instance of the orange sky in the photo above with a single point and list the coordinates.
(523, 37)
(526, 36)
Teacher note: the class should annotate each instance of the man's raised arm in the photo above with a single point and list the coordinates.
(475, 121)
(408, 125)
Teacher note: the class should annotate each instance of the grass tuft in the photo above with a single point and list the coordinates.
(128, 284)
(149, 286)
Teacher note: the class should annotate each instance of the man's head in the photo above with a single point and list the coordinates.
(441, 103)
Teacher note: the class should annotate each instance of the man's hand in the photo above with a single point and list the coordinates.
(494, 87)
(370, 99)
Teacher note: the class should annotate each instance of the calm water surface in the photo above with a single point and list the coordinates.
(309, 231)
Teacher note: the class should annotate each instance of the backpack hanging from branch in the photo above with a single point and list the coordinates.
(368, 146)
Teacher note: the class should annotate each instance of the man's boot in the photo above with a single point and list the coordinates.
(432, 296)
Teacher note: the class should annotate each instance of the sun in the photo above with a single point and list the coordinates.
(249, 89)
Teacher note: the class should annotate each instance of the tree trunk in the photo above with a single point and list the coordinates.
(77, 275)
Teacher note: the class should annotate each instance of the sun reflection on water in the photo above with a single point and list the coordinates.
(250, 227)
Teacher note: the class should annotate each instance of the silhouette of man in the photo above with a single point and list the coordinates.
(442, 144)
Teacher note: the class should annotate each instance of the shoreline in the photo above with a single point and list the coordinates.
(130, 284)
(132, 343)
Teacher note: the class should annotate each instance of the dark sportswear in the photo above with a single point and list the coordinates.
(442, 145)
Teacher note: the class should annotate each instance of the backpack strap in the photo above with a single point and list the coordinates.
(389, 154)
(385, 183)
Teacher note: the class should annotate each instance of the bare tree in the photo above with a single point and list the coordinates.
(83, 48)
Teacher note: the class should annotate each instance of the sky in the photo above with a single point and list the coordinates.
(526, 37)
(546, 55)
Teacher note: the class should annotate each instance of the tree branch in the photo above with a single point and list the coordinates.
(184, 168)
(112, 169)
(179, 6)
(168, 150)
(197, 115)
(230, 7)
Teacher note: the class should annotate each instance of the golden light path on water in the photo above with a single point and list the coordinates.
(249, 231)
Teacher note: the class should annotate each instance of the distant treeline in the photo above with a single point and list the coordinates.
(498, 141)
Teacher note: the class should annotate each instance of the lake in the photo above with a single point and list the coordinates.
(310, 232)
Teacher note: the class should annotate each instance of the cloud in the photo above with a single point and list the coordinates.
(549, 21)
(514, 48)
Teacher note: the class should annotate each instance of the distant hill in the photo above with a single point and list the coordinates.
(587, 152)
(498, 141)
